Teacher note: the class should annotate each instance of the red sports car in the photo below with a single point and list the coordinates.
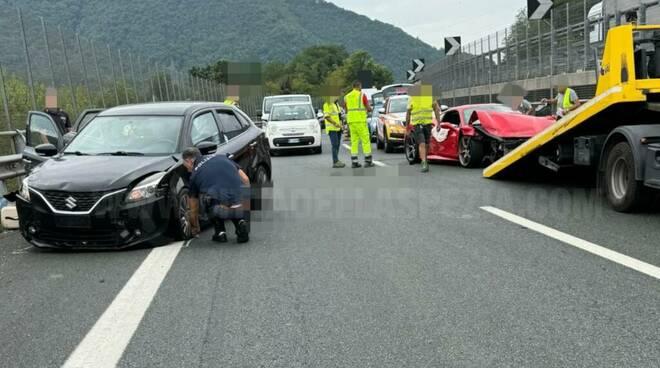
(472, 134)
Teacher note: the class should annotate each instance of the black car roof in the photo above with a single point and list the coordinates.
(161, 108)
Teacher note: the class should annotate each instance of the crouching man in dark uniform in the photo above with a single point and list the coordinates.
(223, 190)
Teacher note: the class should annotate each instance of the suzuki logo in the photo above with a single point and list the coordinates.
(71, 203)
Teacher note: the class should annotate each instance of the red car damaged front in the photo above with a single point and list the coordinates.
(507, 125)
(490, 135)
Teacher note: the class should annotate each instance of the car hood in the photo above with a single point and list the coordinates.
(511, 124)
(95, 173)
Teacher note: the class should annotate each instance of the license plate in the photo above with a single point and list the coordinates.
(76, 222)
(296, 140)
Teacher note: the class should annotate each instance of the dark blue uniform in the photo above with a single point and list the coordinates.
(216, 182)
(217, 178)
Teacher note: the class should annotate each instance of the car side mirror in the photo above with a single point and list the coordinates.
(207, 148)
(68, 137)
(46, 150)
(320, 115)
(381, 110)
(446, 126)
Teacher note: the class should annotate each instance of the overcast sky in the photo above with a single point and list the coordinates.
(433, 20)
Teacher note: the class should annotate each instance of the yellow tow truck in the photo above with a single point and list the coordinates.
(617, 133)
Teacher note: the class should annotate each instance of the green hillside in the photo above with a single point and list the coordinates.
(197, 32)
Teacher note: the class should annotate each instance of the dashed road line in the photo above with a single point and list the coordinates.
(104, 344)
(622, 259)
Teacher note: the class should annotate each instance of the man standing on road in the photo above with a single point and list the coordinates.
(567, 99)
(222, 187)
(333, 127)
(421, 107)
(357, 107)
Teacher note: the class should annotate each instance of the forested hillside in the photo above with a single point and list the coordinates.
(197, 32)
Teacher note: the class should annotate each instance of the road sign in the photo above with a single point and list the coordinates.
(411, 75)
(452, 45)
(418, 65)
(538, 9)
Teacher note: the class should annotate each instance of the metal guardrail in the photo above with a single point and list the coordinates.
(11, 166)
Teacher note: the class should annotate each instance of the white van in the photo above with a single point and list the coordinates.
(270, 100)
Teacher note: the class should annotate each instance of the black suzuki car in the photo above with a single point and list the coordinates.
(119, 181)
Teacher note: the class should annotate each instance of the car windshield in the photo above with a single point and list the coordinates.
(378, 99)
(398, 105)
(292, 112)
(270, 101)
(499, 108)
(140, 135)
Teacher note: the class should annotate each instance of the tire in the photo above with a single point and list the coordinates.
(470, 152)
(624, 192)
(260, 180)
(411, 150)
(179, 227)
(389, 147)
(379, 143)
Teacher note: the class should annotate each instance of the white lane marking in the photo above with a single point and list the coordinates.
(592, 248)
(377, 163)
(105, 343)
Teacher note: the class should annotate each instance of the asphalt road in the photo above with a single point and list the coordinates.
(381, 267)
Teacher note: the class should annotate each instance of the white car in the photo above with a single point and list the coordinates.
(293, 125)
(269, 101)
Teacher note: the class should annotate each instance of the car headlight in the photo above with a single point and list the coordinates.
(25, 190)
(145, 189)
(272, 129)
(315, 127)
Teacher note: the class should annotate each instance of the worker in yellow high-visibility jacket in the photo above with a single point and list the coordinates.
(357, 107)
(421, 108)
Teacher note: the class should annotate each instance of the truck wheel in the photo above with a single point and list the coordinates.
(410, 148)
(624, 192)
(470, 152)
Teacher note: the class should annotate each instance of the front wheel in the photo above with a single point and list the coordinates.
(410, 148)
(624, 192)
(379, 142)
(470, 152)
(388, 146)
(179, 226)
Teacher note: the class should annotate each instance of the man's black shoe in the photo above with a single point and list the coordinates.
(220, 237)
(242, 232)
(356, 165)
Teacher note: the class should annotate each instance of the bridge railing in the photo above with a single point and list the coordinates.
(568, 42)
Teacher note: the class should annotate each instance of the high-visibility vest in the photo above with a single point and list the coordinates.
(567, 103)
(330, 109)
(356, 112)
(230, 102)
(422, 110)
